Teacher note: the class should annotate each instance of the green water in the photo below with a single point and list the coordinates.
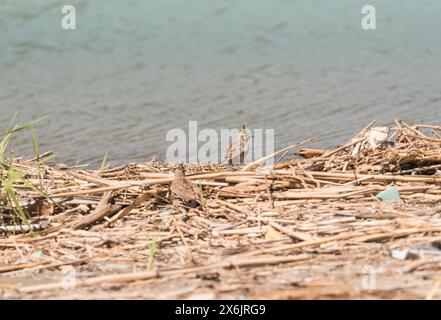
(135, 69)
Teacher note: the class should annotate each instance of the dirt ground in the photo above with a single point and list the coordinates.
(391, 253)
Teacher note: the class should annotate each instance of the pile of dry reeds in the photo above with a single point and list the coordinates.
(297, 227)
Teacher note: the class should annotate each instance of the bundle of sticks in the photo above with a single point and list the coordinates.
(407, 156)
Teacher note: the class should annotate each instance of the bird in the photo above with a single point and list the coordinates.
(183, 190)
(238, 149)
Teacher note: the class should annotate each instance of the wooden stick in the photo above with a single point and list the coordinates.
(251, 166)
(136, 203)
(290, 233)
(145, 275)
(103, 209)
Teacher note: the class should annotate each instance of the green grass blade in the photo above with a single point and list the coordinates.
(104, 162)
(153, 247)
(35, 144)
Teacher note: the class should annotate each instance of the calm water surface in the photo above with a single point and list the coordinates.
(135, 69)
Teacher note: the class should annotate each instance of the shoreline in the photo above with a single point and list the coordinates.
(360, 221)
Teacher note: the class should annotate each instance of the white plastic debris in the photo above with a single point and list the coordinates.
(429, 250)
(399, 254)
(374, 138)
(377, 136)
(37, 254)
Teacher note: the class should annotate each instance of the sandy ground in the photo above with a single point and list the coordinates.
(396, 264)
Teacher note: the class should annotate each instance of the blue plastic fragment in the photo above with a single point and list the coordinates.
(390, 194)
(164, 213)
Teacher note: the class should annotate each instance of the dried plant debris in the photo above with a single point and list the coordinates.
(360, 221)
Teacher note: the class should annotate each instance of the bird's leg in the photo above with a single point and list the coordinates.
(178, 205)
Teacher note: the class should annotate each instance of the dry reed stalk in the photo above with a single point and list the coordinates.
(325, 203)
(131, 277)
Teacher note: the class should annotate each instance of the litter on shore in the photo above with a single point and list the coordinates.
(360, 221)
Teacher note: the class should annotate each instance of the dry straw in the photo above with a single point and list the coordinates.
(295, 230)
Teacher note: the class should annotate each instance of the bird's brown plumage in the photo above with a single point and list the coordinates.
(237, 150)
(183, 189)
